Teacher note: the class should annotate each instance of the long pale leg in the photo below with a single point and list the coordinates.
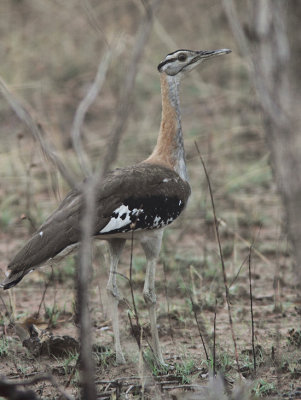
(115, 247)
(151, 247)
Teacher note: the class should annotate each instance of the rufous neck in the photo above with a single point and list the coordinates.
(169, 149)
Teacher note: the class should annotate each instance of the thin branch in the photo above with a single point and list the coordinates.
(89, 202)
(28, 192)
(93, 20)
(239, 270)
(11, 390)
(199, 326)
(199, 322)
(82, 109)
(214, 340)
(131, 274)
(222, 259)
(127, 91)
(44, 291)
(84, 274)
(140, 329)
(260, 82)
(166, 296)
(251, 245)
(137, 337)
(246, 242)
(251, 310)
(87, 232)
(37, 131)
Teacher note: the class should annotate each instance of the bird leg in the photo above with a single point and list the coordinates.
(151, 247)
(115, 249)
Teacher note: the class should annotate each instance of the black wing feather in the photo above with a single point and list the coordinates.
(158, 191)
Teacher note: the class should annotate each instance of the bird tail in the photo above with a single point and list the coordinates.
(12, 279)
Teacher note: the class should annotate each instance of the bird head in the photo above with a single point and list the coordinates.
(186, 60)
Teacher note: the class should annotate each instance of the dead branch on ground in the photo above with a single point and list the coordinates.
(12, 391)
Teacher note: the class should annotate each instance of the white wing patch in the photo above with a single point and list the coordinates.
(123, 217)
(41, 233)
(157, 222)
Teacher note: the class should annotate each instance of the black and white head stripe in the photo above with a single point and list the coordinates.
(186, 60)
(171, 57)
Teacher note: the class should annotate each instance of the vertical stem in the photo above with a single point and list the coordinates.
(214, 338)
(131, 281)
(198, 325)
(251, 308)
(166, 296)
(222, 259)
(84, 274)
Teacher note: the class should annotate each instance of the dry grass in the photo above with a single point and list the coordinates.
(49, 56)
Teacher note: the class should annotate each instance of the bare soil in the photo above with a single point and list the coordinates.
(276, 310)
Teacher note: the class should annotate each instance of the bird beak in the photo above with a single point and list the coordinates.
(204, 54)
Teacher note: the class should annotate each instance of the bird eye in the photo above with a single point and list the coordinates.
(182, 57)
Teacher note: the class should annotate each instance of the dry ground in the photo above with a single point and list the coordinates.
(49, 55)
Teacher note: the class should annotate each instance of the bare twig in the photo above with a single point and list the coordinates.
(214, 340)
(83, 108)
(270, 53)
(44, 291)
(87, 231)
(238, 272)
(10, 389)
(194, 310)
(251, 245)
(84, 274)
(131, 280)
(89, 190)
(246, 242)
(28, 194)
(222, 260)
(93, 20)
(87, 226)
(138, 337)
(251, 310)
(167, 301)
(260, 83)
(37, 131)
(126, 99)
